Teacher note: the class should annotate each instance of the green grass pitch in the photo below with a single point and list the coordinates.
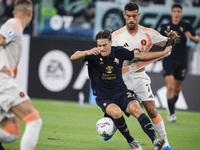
(68, 126)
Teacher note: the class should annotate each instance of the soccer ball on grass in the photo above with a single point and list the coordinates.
(105, 127)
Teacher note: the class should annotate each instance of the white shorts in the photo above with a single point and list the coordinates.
(139, 83)
(10, 95)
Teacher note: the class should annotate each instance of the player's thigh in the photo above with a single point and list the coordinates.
(12, 96)
(134, 109)
(180, 72)
(23, 109)
(144, 91)
(114, 111)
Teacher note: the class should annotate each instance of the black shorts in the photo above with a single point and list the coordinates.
(121, 101)
(177, 70)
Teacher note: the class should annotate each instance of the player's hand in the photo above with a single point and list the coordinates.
(187, 34)
(172, 34)
(168, 50)
(94, 51)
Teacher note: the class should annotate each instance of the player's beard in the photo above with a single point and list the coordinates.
(131, 27)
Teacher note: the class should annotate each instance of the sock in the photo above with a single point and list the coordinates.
(122, 127)
(159, 126)
(147, 126)
(9, 133)
(1, 147)
(171, 105)
(31, 135)
(175, 99)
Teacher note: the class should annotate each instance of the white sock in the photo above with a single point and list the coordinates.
(160, 128)
(31, 135)
(6, 137)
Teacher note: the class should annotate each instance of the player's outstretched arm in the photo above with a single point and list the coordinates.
(193, 38)
(172, 38)
(152, 55)
(2, 40)
(79, 55)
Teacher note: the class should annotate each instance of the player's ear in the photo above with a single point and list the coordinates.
(138, 15)
(124, 14)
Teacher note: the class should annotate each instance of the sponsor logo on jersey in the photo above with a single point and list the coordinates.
(9, 33)
(126, 45)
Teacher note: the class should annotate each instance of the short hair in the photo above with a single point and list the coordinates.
(104, 34)
(131, 6)
(23, 5)
(176, 5)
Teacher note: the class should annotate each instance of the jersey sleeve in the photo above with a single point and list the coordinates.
(161, 29)
(89, 58)
(157, 38)
(190, 29)
(128, 55)
(8, 30)
(114, 40)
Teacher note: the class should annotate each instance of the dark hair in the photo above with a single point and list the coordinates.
(131, 6)
(176, 5)
(104, 34)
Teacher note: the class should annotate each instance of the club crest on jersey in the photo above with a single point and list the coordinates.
(143, 42)
(181, 29)
(116, 61)
(109, 69)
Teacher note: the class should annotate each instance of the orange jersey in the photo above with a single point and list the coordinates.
(144, 39)
(10, 53)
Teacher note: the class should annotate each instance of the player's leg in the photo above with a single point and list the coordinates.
(10, 130)
(170, 83)
(135, 110)
(177, 89)
(115, 112)
(30, 116)
(109, 137)
(157, 120)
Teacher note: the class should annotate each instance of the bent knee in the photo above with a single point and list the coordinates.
(134, 109)
(152, 113)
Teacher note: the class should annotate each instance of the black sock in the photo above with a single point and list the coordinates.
(175, 99)
(147, 126)
(171, 105)
(122, 127)
(1, 147)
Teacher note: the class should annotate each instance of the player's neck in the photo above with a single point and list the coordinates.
(133, 31)
(175, 22)
(22, 19)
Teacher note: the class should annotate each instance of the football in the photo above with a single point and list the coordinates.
(105, 127)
